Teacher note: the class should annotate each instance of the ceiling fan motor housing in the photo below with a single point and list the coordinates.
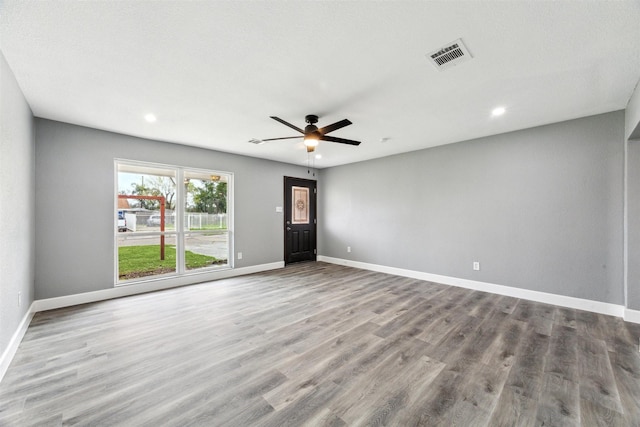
(311, 119)
(309, 129)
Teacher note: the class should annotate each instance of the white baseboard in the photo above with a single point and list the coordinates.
(543, 297)
(150, 286)
(632, 315)
(14, 343)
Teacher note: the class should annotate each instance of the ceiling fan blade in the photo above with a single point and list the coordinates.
(278, 119)
(337, 125)
(340, 140)
(286, 137)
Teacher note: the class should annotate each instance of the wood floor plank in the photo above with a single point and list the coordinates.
(404, 369)
(565, 317)
(324, 418)
(505, 304)
(563, 353)
(526, 374)
(240, 400)
(323, 345)
(518, 401)
(595, 415)
(433, 405)
(597, 382)
(386, 398)
(401, 342)
(487, 381)
(314, 366)
(626, 370)
(559, 403)
(539, 316)
(514, 409)
(306, 407)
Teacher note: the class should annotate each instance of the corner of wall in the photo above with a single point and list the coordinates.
(632, 115)
(12, 347)
(17, 252)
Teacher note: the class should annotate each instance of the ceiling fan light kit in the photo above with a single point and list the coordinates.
(311, 134)
(311, 144)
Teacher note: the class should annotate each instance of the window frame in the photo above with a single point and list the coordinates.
(180, 213)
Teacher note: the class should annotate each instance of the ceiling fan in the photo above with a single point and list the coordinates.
(312, 134)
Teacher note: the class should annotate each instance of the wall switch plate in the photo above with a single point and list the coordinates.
(348, 248)
(19, 299)
(278, 208)
(476, 266)
(239, 255)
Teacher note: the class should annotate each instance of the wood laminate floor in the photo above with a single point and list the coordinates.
(323, 345)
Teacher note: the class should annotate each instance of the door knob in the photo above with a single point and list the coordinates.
(288, 228)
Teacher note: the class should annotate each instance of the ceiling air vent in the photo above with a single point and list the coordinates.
(450, 55)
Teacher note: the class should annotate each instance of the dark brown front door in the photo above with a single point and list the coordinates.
(299, 220)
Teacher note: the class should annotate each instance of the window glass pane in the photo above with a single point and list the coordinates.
(205, 201)
(141, 191)
(142, 256)
(206, 218)
(206, 250)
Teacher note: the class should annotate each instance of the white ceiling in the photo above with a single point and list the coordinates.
(213, 72)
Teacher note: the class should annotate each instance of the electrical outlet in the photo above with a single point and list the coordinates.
(239, 255)
(348, 248)
(476, 266)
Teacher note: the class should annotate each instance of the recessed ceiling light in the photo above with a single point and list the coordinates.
(150, 118)
(318, 156)
(498, 111)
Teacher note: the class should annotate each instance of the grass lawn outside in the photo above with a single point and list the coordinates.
(141, 261)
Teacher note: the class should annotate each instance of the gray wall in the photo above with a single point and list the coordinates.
(632, 131)
(633, 225)
(540, 209)
(75, 199)
(16, 204)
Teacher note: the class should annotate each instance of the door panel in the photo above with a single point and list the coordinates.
(300, 220)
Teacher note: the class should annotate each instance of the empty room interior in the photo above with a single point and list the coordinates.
(320, 213)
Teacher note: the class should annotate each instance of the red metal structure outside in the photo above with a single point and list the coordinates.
(162, 201)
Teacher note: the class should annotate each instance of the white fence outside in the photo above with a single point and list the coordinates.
(203, 221)
(141, 220)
